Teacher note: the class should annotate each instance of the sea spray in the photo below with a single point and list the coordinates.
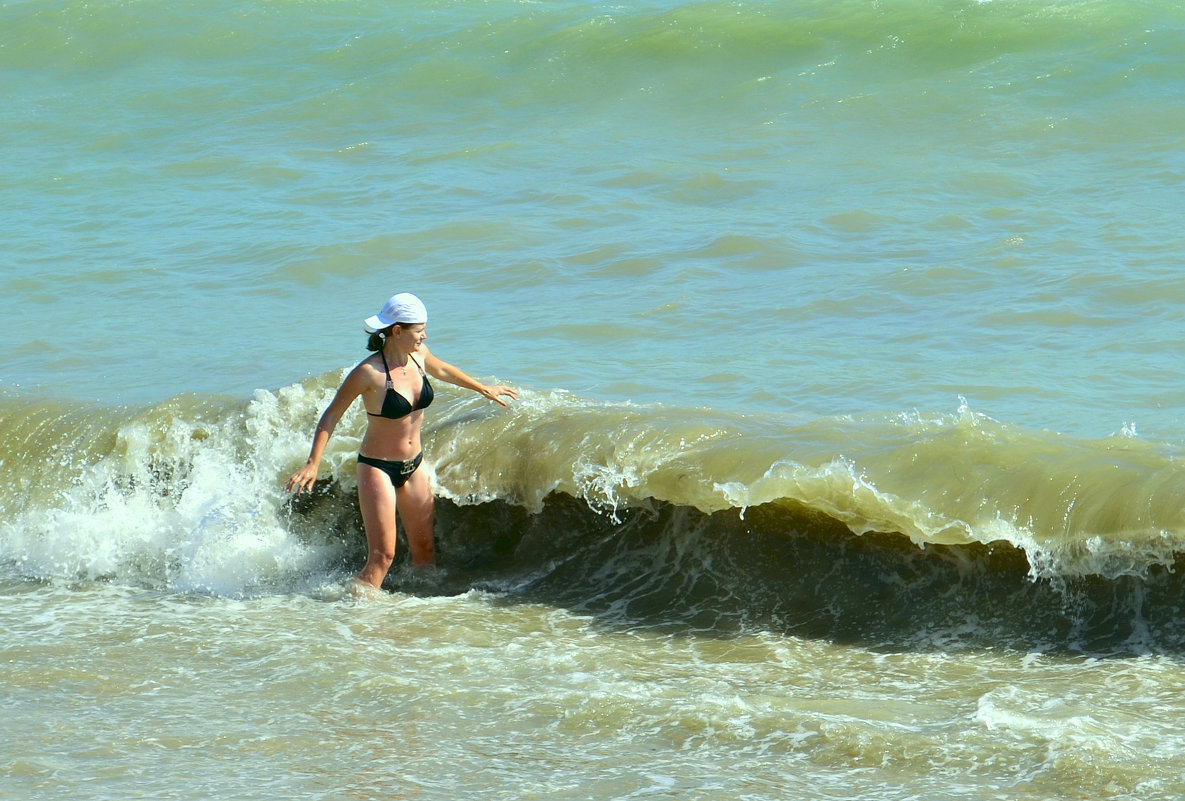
(843, 527)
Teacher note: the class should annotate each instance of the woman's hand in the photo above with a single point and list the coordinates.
(303, 479)
(496, 393)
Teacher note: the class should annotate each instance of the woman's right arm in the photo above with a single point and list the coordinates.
(304, 478)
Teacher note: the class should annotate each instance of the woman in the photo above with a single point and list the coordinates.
(393, 383)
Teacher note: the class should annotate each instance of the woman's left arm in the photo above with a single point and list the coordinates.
(455, 375)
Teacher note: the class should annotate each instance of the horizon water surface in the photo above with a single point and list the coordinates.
(848, 461)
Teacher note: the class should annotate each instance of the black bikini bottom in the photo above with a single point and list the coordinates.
(398, 472)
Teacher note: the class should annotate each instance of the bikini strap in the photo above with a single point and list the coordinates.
(386, 369)
(413, 358)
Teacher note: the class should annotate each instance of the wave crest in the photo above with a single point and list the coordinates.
(187, 496)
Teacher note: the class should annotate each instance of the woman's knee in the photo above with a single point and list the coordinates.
(417, 509)
(382, 553)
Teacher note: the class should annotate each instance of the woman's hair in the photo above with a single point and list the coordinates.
(378, 337)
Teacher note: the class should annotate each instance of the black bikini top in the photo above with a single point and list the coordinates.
(395, 405)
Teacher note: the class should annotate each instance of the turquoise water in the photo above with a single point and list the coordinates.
(770, 206)
(849, 448)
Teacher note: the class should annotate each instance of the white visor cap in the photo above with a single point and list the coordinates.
(402, 308)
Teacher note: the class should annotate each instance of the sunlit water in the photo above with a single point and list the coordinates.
(847, 464)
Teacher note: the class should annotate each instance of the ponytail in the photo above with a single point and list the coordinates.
(377, 338)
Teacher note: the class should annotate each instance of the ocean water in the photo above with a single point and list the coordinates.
(848, 462)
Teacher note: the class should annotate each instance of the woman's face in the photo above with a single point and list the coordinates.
(410, 336)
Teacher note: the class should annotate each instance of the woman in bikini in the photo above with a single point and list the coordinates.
(393, 383)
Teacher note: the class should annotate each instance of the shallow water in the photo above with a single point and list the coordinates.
(847, 463)
(180, 697)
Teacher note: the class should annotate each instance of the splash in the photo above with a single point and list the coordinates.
(637, 507)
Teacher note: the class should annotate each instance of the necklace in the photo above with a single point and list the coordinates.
(402, 367)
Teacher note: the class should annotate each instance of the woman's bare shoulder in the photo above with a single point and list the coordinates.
(426, 358)
(369, 362)
(365, 373)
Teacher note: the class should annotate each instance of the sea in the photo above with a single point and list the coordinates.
(849, 458)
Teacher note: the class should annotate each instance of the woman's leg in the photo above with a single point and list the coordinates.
(417, 510)
(376, 500)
